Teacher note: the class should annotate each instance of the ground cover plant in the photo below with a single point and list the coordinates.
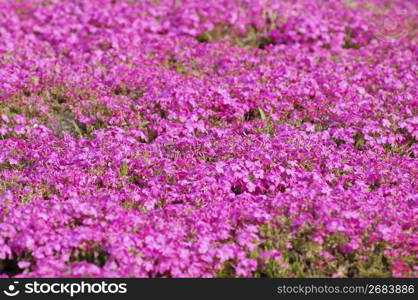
(208, 138)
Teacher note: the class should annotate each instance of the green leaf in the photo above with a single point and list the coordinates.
(34, 79)
(123, 171)
(262, 114)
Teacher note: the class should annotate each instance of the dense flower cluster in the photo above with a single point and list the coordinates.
(202, 138)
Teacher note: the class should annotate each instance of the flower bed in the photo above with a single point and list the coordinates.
(208, 138)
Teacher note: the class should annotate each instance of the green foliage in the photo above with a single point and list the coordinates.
(89, 252)
(301, 256)
(252, 38)
(227, 270)
(123, 170)
(262, 114)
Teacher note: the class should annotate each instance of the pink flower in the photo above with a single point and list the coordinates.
(326, 255)
(23, 264)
